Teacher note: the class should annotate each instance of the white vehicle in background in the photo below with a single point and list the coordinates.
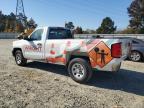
(56, 45)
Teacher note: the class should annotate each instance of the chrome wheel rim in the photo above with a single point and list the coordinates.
(18, 58)
(78, 71)
(135, 56)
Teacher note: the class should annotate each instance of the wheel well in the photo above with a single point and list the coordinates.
(139, 52)
(76, 56)
(14, 50)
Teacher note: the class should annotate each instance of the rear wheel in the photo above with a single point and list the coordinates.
(20, 60)
(135, 56)
(79, 70)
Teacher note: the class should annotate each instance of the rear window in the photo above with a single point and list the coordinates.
(59, 34)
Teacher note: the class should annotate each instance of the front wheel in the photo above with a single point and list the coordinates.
(20, 60)
(79, 70)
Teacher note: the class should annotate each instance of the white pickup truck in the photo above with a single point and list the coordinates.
(56, 45)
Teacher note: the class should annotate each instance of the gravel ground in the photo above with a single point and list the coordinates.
(42, 85)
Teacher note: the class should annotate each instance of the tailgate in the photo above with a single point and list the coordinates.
(126, 47)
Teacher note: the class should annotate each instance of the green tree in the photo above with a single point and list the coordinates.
(6, 25)
(78, 30)
(107, 26)
(31, 23)
(136, 13)
(9, 23)
(69, 25)
(2, 25)
(126, 31)
(89, 31)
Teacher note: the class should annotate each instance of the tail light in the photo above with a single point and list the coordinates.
(116, 50)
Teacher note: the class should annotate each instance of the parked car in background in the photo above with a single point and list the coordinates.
(137, 50)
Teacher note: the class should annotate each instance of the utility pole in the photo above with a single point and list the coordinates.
(20, 14)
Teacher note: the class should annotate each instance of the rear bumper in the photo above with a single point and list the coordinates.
(116, 67)
(113, 66)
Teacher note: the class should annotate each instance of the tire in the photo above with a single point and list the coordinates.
(80, 70)
(135, 56)
(20, 60)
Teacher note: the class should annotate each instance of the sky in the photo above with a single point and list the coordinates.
(85, 13)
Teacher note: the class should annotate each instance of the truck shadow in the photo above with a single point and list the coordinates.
(124, 80)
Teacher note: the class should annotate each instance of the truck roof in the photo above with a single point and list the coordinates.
(53, 27)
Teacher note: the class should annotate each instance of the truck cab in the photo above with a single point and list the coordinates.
(57, 45)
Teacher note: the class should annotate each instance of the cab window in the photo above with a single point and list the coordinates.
(37, 35)
(59, 34)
